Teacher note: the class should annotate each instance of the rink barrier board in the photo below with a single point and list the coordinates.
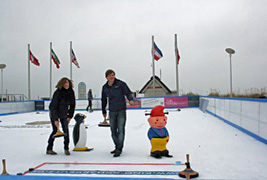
(143, 103)
(247, 115)
(9, 108)
(240, 128)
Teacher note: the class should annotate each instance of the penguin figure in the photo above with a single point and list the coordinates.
(79, 134)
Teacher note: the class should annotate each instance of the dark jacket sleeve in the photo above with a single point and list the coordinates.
(72, 106)
(127, 92)
(104, 101)
(54, 104)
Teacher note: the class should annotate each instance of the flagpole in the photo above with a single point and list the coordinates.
(29, 74)
(176, 61)
(153, 64)
(50, 91)
(70, 61)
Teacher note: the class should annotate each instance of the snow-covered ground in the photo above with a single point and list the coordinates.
(217, 150)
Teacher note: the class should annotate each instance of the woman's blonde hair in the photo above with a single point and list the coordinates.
(62, 81)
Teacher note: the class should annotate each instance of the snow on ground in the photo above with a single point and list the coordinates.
(217, 150)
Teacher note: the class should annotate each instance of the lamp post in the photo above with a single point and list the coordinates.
(230, 52)
(2, 66)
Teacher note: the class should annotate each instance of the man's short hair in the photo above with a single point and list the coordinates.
(109, 71)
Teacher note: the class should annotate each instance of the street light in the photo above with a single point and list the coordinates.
(2, 66)
(230, 52)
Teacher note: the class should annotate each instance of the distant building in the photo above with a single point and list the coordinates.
(160, 89)
(81, 90)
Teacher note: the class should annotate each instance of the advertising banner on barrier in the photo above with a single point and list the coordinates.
(137, 103)
(176, 102)
(151, 102)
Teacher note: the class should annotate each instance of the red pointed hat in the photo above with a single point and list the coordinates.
(157, 111)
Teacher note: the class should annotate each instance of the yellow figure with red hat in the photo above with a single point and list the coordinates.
(158, 133)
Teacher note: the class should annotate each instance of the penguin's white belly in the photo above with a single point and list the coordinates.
(82, 137)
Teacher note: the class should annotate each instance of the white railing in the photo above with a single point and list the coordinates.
(247, 115)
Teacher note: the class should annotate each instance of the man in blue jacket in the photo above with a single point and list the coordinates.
(114, 92)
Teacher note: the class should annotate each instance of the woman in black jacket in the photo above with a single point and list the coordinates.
(61, 109)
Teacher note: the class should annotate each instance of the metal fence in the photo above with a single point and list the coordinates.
(14, 97)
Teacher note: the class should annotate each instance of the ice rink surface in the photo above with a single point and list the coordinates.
(217, 150)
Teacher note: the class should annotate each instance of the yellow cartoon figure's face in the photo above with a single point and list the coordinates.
(157, 122)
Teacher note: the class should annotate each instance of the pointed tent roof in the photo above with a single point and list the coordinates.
(157, 80)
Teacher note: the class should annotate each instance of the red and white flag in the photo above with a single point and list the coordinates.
(177, 54)
(73, 58)
(33, 59)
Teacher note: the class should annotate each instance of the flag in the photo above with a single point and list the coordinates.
(33, 59)
(177, 54)
(156, 52)
(55, 58)
(73, 58)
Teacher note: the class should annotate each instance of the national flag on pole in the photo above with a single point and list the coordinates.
(156, 52)
(33, 59)
(177, 54)
(73, 58)
(55, 58)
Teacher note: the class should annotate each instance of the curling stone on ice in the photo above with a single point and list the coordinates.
(188, 173)
(59, 133)
(158, 133)
(79, 134)
(105, 123)
(4, 167)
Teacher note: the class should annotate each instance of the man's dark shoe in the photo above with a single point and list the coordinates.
(117, 154)
(67, 152)
(112, 152)
(51, 152)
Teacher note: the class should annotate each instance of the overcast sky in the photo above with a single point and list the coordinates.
(117, 34)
